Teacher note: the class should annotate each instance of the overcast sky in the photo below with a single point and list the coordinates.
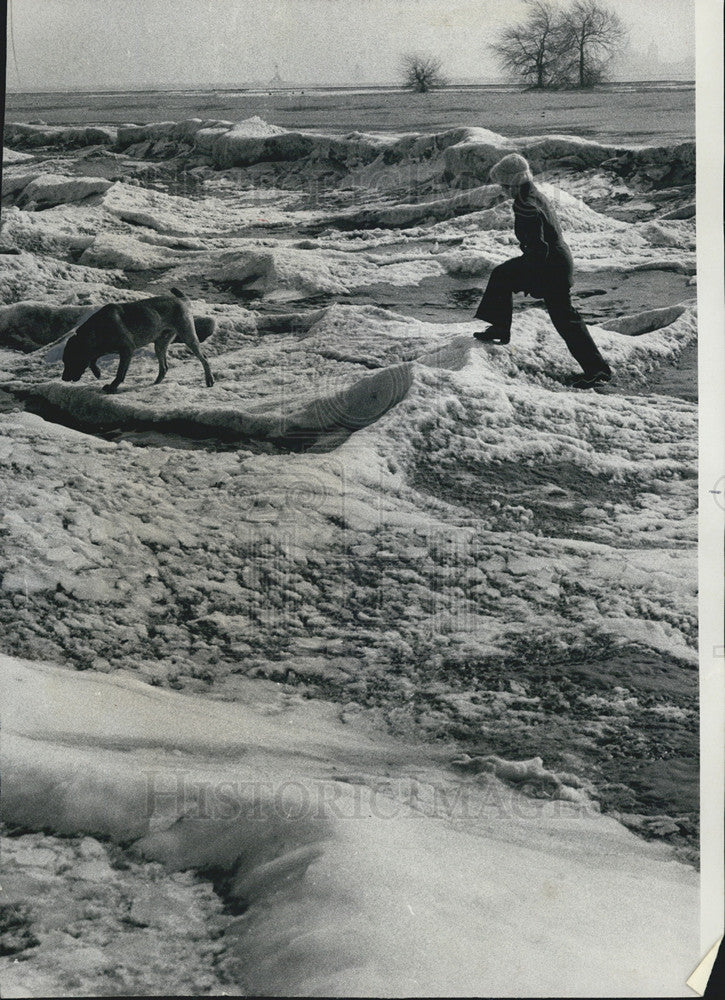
(121, 44)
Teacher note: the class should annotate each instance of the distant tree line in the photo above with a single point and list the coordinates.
(561, 46)
(554, 47)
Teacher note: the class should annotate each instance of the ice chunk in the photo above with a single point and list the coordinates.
(27, 325)
(56, 189)
(645, 322)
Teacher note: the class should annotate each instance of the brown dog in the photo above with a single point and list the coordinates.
(121, 328)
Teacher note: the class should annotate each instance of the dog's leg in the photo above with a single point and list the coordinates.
(160, 346)
(197, 352)
(188, 335)
(126, 353)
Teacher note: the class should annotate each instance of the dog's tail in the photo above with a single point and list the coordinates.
(178, 293)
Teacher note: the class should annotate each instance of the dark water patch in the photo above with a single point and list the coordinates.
(147, 280)
(605, 294)
(437, 299)
(465, 298)
(239, 291)
(614, 293)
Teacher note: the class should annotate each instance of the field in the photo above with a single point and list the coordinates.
(402, 621)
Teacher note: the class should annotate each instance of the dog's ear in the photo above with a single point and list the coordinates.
(95, 369)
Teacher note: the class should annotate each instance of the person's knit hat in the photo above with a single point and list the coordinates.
(512, 169)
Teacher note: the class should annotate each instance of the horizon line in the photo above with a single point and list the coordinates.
(161, 88)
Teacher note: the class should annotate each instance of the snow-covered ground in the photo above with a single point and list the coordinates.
(384, 543)
(351, 864)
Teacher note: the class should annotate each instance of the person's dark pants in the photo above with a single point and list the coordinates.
(553, 285)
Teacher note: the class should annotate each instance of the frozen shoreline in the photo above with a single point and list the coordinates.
(458, 554)
(623, 112)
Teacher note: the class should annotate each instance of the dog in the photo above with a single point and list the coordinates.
(123, 327)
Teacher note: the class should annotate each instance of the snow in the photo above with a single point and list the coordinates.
(128, 253)
(488, 376)
(140, 925)
(498, 405)
(27, 325)
(397, 877)
(377, 555)
(290, 274)
(16, 182)
(55, 189)
(15, 156)
(351, 406)
(28, 276)
(461, 153)
(174, 215)
(646, 322)
(17, 133)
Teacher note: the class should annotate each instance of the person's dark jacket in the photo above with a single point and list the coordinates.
(539, 234)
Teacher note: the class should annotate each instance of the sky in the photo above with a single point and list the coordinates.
(136, 44)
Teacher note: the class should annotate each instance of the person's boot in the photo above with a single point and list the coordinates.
(587, 380)
(493, 335)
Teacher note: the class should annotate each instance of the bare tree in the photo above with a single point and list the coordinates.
(533, 49)
(591, 34)
(422, 73)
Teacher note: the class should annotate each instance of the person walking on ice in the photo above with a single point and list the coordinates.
(545, 269)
